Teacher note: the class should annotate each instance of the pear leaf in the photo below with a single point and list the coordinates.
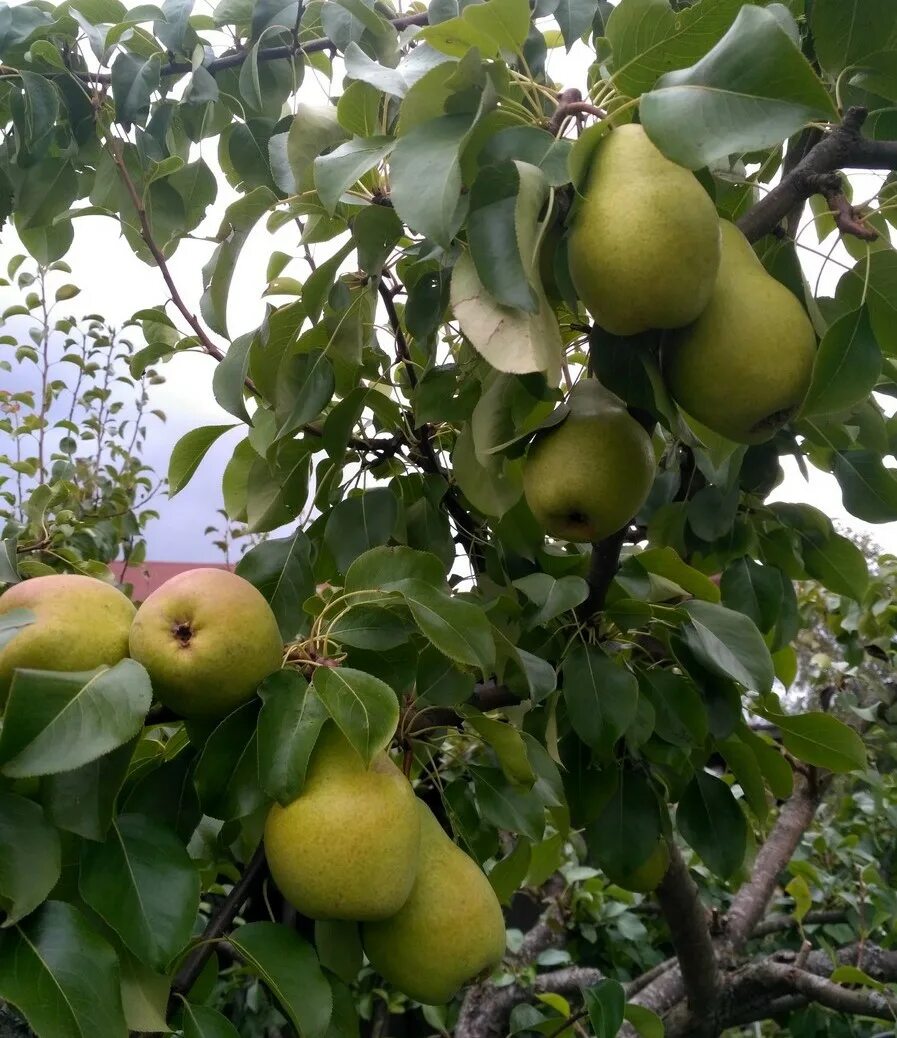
(512, 340)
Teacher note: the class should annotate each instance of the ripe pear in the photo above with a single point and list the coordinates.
(450, 931)
(644, 245)
(80, 624)
(648, 875)
(587, 477)
(346, 847)
(207, 638)
(744, 366)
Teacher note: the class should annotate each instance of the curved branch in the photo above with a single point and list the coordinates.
(843, 147)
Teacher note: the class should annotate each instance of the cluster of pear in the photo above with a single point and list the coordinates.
(357, 844)
(646, 251)
(206, 637)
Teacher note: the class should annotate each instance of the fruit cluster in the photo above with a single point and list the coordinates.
(356, 843)
(647, 252)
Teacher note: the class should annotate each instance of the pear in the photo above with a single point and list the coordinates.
(80, 624)
(346, 847)
(743, 368)
(644, 245)
(450, 931)
(207, 638)
(648, 875)
(587, 477)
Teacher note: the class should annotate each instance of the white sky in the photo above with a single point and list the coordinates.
(116, 284)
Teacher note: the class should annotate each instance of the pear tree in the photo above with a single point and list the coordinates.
(513, 689)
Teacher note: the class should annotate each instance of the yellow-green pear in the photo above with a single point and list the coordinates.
(346, 847)
(644, 244)
(450, 931)
(743, 368)
(587, 477)
(648, 875)
(207, 638)
(80, 624)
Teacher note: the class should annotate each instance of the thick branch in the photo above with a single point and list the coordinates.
(218, 925)
(687, 918)
(777, 923)
(843, 147)
(752, 900)
(603, 567)
(570, 102)
(180, 68)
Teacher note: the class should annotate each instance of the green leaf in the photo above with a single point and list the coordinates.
(574, 17)
(142, 882)
(338, 944)
(601, 697)
(803, 899)
(205, 1022)
(365, 708)
(339, 169)
(776, 770)
(626, 827)
(39, 109)
(134, 79)
(377, 231)
(868, 488)
(846, 31)
(605, 1003)
(509, 747)
(425, 176)
(188, 452)
(754, 590)
(744, 766)
(853, 975)
(57, 721)
(30, 857)
(61, 975)
(229, 379)
(166, 792)
(492, 27)
(457, 628)
(712, 824)
(292, 715)
(752, 90)
(506, 806)
(729, 644)
(82, 801)
(644, 1020)
(846, 367)
(839, 565)
(239, 219)
(386, 565)
(680, 716)
(227, 776)
(13, 622)
(364, 626)
(439, 682)
(292, 154)
(492, 237)
(305, 384)
(288, 967)
(553, 596)
(821, 740)
(281, 569)
(649, 39)
(512, 340)
(360, 523)
(531, 145)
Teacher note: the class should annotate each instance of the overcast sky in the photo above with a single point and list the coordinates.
(115, 283)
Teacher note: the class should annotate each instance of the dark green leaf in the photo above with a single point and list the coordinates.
(626, 830)
(680, 716)
(304, 388)
(292, 715)
(229, 380)
(188, 452)
(753, 89)
(227, 778)
(360, 523)
(56, 721)
(287, 965)
(369, 627)
(383, 565)
(846, 31)
(167, 793)
(83, 801)
(821, 740)
(339, 169)
(439, 682)
(134, 79)
(61, 975)
(281, 570)
(13, 622)
(712, 823)
(605, 1003)
(846, 368)
(752, 589)
(365, 708)
(338, 944)
(729, 644)
(574, 17)
(507, 807)
(839, 565)
(601, 697)
(205, 1022)
(30, 857)
(142, 882)
(869, 489)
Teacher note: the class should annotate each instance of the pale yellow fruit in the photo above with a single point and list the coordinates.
(648, 875)
(80, 624)
(450, 931)
(207, 638)
(644, 246)
(743, 368)
(346, 847)
(587, 477)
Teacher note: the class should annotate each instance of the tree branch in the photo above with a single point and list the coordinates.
(570, 102)
(687, 918)
(752, 900)
(219, 924)
(842, 147)
(234, 60)
(778, 923)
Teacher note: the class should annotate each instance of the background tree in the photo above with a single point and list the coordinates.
(563, 707)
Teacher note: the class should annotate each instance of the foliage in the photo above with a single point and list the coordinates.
(564, 707)
(73, 487)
